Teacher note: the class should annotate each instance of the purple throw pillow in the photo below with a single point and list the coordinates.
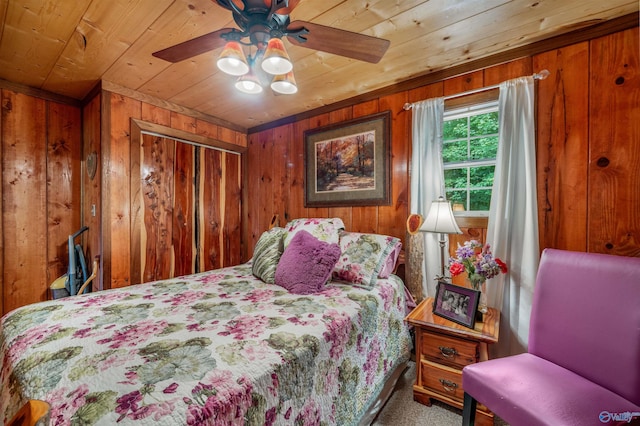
(306, 264)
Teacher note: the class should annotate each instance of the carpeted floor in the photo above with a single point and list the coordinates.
(402, 410)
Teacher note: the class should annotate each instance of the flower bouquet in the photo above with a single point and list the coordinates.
(478, 263)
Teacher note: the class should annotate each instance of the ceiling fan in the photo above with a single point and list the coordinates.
(262, 20)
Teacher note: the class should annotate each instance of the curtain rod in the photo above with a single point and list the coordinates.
(537, 76)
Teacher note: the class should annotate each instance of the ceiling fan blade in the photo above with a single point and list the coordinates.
(193, 47)
(339, 42)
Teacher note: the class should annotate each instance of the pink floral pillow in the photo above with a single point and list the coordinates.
(363, 257)
(324, 229)
(389, 264)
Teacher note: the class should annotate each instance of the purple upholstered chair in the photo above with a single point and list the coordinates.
(583, 364)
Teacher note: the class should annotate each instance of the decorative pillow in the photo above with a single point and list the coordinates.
(324, 229)
(363, 256)
(306, 264)
(266, 254)
(389, 264)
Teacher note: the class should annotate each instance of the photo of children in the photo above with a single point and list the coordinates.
(456, 304)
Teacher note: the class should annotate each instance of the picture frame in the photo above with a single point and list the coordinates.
(456, 303)
(349, 163)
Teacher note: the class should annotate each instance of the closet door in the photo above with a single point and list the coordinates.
(184, 210)
(219, 195)
(157, 195)
(189, 209)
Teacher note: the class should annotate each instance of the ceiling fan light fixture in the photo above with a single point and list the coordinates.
(232, 59)
(276, 60)
(249, 83)
(284, 84)
(264, 23)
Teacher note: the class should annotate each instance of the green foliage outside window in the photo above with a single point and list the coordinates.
(468, 153)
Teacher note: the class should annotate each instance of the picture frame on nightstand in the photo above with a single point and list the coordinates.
(456, 303)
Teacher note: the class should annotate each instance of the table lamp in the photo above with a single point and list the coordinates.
(440, 220)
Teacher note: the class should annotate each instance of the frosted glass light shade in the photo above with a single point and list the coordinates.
(232, 59)
(276, 60)
(285, 84)
(249, 83)
(440, 218)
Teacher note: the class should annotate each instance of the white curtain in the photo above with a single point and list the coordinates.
(513, 216)
(427, 178)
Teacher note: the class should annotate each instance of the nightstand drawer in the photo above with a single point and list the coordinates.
(448, 350)
(441, 379)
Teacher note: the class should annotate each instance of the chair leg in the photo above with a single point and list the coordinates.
(469, 410)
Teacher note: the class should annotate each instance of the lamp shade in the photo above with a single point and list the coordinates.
(276, 60)
(440, 218)
(232, 59)
(285, 84)
(249, 83)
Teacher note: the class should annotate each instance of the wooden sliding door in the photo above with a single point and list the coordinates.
(218, 218)
(188, 201)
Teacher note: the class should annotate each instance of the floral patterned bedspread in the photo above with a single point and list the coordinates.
(221, 347)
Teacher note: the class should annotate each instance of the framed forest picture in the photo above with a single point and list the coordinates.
(348, 164)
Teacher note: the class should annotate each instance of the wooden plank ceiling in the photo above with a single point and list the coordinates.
(67, 46)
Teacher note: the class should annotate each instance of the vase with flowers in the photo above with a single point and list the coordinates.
(477, 261)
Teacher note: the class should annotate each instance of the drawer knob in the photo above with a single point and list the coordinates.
(448, 352)
(448, 385)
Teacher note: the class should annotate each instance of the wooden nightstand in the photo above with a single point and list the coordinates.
(443, 348)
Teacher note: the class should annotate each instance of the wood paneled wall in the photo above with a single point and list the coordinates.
(613, 201)
(275, 175)
(92, 186)
(47, 194)
(589, 146)
(588, 150)
(41, 144)
(122, 213)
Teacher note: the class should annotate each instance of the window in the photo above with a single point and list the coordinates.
(469, 155)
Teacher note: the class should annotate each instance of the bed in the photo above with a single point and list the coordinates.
(220, 347)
